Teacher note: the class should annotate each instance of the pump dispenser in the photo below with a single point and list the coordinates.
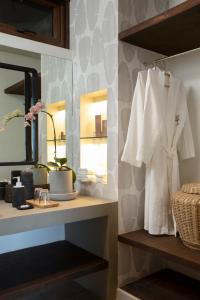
(18, 193)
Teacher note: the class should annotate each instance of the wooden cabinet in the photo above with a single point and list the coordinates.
(44, 21)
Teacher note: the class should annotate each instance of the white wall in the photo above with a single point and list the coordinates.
(175, 2)
(31, 238)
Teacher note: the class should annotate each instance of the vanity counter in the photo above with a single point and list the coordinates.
(83, 208)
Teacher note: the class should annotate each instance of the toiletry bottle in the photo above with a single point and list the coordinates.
(27, 181)
(18, 194)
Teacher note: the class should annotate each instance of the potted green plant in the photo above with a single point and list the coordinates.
(62, 177)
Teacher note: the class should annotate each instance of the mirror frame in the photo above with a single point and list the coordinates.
(31, 97)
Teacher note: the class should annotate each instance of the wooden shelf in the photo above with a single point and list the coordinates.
(166, 246)
(18, 88)
(60, 290)
(170, 33)
(31, 268)
(165, 285)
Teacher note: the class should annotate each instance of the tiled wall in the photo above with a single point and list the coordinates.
(94, 40)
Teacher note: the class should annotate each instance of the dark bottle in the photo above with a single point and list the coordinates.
(27, 181)
(18, 194)
(3, 185)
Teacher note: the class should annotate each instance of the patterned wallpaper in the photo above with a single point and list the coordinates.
(56, 74)
(100, 61)
(94, 40)
(132, 262)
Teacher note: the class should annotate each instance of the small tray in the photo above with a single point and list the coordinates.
(41, 204)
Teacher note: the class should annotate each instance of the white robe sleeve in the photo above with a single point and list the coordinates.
(186, 144)
(135, 129)
(152, 120)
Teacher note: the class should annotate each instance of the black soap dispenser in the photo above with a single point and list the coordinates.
(18, 194)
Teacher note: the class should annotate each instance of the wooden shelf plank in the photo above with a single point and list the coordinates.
(61, 290)
(42, 265)
(18, 88)
(165, 285)
(166, 246)
(170, 33)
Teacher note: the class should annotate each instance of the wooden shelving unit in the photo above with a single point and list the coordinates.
(165, 285)
(166, 246)
(18, 88)
(172, 32)
(32, 269)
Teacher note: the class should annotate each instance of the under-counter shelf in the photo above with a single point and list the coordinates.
(166, 246)
(164, 285)
(35, 267)
(62, 290)
(172, 32)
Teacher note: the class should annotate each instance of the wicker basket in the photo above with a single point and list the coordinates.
(191, 188)
(186, 209)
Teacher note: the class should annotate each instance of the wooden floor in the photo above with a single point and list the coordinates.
(165, 285)
(166, 246)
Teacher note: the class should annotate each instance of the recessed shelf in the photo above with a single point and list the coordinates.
(164, 285)
(93, 137)
(38, 266)
(166, 246)
(172, 32)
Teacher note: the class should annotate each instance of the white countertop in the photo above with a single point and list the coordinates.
(82, 208)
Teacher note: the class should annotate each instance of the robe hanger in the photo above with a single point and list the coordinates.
(153, 65)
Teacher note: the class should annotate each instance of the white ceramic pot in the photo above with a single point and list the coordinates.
(61, 182)
(39, 176)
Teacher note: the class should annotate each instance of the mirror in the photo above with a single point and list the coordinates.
(18, 90)
(54, 90)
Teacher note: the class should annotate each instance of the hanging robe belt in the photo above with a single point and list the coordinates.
(171, 154)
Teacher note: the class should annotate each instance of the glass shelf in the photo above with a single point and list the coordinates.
(93, 137)
(57, 140)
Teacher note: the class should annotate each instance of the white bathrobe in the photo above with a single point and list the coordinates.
(165, 124)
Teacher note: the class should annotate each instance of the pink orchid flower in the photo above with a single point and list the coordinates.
(40, 105)
(33, 111)
(30, 117)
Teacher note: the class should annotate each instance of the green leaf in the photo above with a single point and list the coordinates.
(62, 161)
(40, 166)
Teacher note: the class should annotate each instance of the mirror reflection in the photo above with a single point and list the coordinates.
(54, 90)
